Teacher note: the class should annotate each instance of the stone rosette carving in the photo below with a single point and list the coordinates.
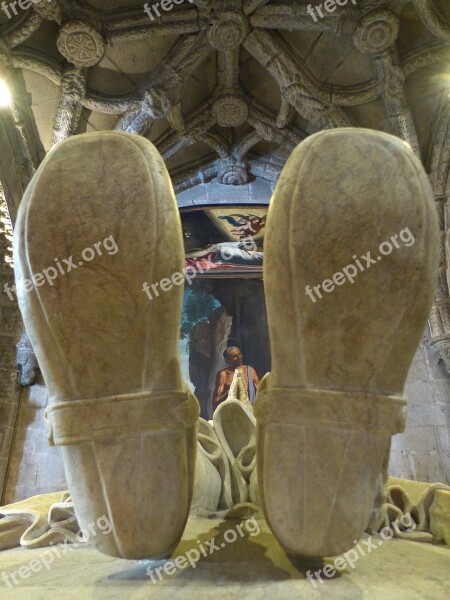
(81, 44)
(376, 32)
(230, 111)
(233, 175)
(228, 30)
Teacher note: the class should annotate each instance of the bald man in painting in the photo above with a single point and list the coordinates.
(224, 378)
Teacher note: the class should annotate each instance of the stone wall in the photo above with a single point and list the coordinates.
(422, 452)
(35, 467)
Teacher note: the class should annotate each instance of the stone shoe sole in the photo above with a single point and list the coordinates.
(353, 218)
(101, 213)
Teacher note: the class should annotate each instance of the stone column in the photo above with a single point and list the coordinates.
(10, 329)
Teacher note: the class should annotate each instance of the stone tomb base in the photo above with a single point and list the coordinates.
(254, 566)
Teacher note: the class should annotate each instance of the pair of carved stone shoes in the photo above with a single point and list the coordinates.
(102, 213)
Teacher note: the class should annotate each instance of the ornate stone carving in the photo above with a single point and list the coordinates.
(425, 56)
(6, 227)
(32, 61)
(376, 32)
(69, 109)
(26, 361)
(233, 175)
(48, 9)
(24, 31)
(113, 106)
(185, 56)
(230, 110)
(432, 21)
(295, 83)
(294, 16)
(81, 44)
(228, 30)
(157, 103)
(244, 145)
(195, 129)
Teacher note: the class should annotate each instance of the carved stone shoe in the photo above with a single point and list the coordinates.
(351, 264)
(99, 220)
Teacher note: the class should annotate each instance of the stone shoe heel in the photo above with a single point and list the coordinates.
(341, 348)
(98, 220)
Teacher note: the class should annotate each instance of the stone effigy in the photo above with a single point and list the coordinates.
(341, 344)
(109, 357)
(350, 269)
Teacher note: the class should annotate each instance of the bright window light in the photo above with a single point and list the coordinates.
(5, 94)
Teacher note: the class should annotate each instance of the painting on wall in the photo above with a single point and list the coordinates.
(225, 241)
(224, 305)
(220, 314)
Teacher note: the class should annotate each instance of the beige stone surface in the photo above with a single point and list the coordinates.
(440, 516)
(109, 356)
(339, 361)
(235, 427)
(253, 567)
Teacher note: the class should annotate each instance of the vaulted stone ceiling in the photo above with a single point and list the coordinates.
(226, 89)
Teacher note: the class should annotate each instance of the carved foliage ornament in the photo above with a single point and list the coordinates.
(376, 32)
(81, 44)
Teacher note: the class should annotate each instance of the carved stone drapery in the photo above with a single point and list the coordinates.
(376, 35)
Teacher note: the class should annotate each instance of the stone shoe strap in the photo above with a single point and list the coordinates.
(358, 411)
(78, 421)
